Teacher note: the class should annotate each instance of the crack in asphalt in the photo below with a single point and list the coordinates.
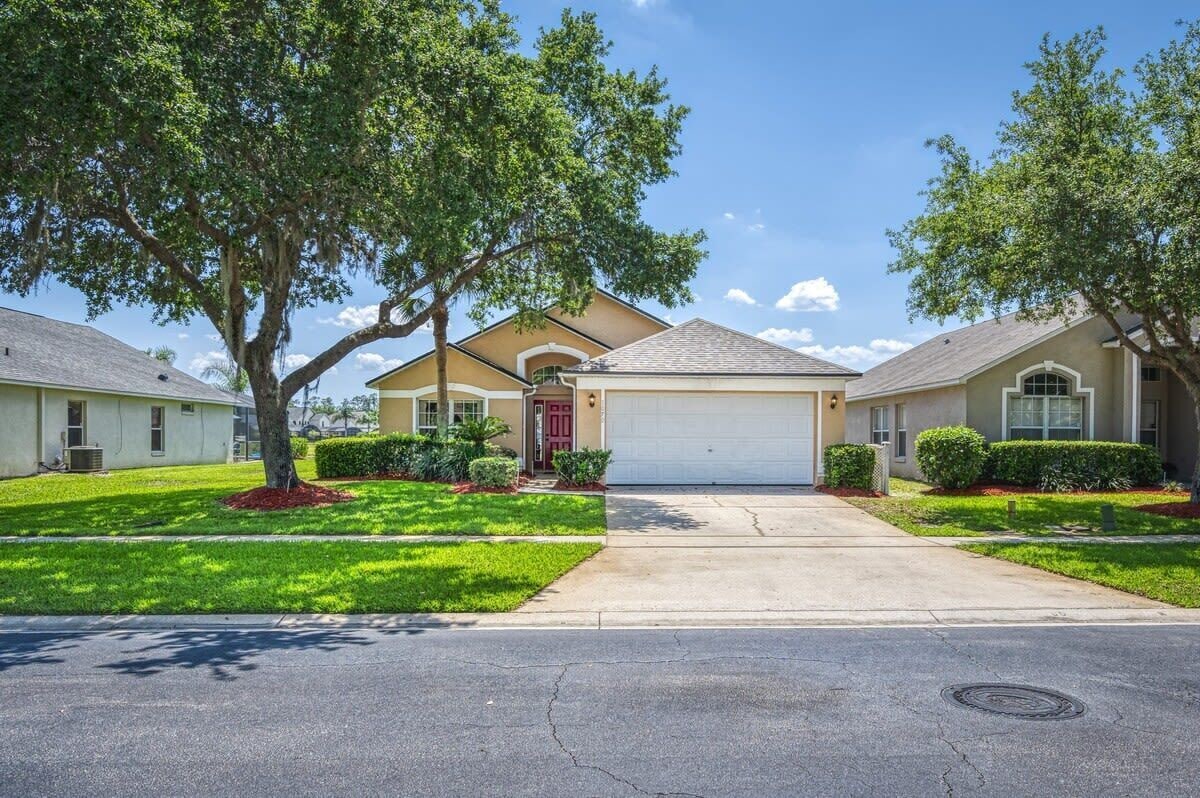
(754, 522)
(584, 766)
(962, 756)
(941, 635)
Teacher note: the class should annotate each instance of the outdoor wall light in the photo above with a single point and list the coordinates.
(591, 400)
(833, 402)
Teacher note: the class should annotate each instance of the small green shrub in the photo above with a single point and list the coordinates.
(493, 472)
(1074, 465)
(415, 456)
(478, 431)
(299, 448)
(849, 465)
(951, 457)
(582, 466)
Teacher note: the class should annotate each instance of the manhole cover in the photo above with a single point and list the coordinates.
(1015, 701)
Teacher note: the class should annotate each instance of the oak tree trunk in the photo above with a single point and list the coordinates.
(440, 318)
(271, 406)
(1194, 392)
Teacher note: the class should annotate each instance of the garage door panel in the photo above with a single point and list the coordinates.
(678, 438)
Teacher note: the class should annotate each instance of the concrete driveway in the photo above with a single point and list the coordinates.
(747, 555)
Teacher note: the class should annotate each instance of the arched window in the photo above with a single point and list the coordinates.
(1045, 410)
(546, 374)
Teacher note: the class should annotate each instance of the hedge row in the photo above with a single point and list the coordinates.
(415, 456)
(849, 465)
(1074, 465)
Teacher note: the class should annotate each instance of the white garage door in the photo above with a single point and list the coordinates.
(709, 438)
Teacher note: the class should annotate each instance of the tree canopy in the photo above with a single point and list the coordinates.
(1091, 198)
(240, 162)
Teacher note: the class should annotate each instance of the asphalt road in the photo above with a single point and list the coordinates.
(603, 713)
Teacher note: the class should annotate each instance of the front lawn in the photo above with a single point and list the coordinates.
(1167, 572)
(263, 577)
(185, 500)
(914, 509)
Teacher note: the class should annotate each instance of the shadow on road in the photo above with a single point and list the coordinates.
(34, 649)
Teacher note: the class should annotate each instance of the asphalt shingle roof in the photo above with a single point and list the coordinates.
(46, 351)
(951, 357)
(699, 347)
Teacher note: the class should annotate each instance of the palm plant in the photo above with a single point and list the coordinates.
(481, 430)
(226, 375)
(344, 413)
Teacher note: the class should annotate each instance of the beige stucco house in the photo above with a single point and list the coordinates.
(696, 403)
(68, 385)
(1013, 379)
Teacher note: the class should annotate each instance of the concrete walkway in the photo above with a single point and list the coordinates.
(736, 552)
(308, 538)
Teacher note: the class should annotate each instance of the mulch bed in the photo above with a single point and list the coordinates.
(471, 487)
(846, 492)
(998, 489)
(303, 495)
(587, 487)
(1172, 509)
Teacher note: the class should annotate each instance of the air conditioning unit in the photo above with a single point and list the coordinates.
(85, 458)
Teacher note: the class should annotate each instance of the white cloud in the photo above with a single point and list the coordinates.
(879, 350)
(355, 317)
(372, 361)
(296, 361)
(810, 295)
(739, 296)
(183, 336)
(782, 335)
(757, 227)
(728, 216)
(205, 359)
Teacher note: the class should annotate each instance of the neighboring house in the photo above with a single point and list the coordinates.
(64, 385)
(301, 423)
(693, 404)
(1013, 379)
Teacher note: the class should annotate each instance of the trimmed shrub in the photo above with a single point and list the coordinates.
(951, 457)
(345, 457)
(581, 467)
(493, 472)
(1074, 465)
(299, 448)
(415, 456)
(849, 465)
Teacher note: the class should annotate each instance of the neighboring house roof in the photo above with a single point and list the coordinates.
(951, 358)
(702, 348)
(35, 350)
(510, 374)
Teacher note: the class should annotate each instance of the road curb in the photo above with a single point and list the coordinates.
(607, 620)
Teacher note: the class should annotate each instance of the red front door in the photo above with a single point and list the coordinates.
(555, 430)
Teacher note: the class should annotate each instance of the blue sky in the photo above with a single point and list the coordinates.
(805, 144)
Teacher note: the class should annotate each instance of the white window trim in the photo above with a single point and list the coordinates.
(162, 430)
(545, 349)
(1158, 419)
(416, 403)
(899, 458)
(887, 424)
(1049, 366)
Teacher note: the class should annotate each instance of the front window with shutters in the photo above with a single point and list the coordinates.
(1045, 410)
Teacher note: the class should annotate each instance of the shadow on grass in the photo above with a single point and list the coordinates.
(380, 507)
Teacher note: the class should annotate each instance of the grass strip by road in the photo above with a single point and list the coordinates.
(186, 500)
(914, 509)
(1167, 572)
(250, 577)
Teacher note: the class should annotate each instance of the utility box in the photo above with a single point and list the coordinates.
(85, 458)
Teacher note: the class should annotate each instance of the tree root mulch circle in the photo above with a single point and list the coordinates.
(1172, 509)
(845, 492)
(303, 495)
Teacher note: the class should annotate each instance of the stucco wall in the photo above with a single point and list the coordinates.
(941, 407)
(833, 426)
(611, 322)
(18, 432)
(1079, 349)
(118, 424)
(459, 367)
(1180, 431)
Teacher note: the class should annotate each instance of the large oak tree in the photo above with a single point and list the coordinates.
(241, 161)
(1093, 195)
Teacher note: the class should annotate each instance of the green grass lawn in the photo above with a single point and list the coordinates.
(914, 510)
(218, 577)
(1167, 572)
(184, 500)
